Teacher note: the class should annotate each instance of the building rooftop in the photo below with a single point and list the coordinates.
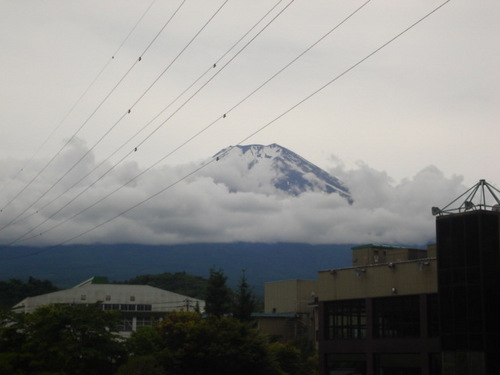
(379, 245)
(481, 196)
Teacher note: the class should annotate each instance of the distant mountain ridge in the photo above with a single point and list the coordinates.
(280, 168)
(69, 265)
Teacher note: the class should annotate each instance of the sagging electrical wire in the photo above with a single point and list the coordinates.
(210, 161)
(145, 139)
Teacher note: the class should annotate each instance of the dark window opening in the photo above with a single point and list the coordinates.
(346, 319)
(396, 317)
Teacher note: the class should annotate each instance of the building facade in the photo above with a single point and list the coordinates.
(469, 287)
(403, 311)
(289, 310)
(380, 316)
(139, 305)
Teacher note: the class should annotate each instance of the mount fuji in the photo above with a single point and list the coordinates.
(272, 169)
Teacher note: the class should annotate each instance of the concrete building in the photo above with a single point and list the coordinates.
(405, 311)
(139, 305)
(379, 318)
(469, 288)
(289, 310)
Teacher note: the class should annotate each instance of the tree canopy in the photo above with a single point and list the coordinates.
(216, 345)
(244, 301)
(80, 339)
(60, 339)
(218, 295)
(15, 290)
(72, 339)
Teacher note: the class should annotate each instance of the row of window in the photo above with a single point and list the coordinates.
(126, 307)
(83, 297)
(390, 317)
(346, 319)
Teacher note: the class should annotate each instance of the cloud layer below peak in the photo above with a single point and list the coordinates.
(205, 207)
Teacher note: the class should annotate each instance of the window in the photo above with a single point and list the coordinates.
(401, 363)
(108, 298)
(127, 307)
(346, 364)
(433, 315)
(83, 297)
(345, 319)
(132, 298)
(465, 362)
(125, 324)
(396, 316)
(143, 322)
(144, 307)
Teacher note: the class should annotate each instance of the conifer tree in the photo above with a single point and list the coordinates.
(218, 294)
(244, 303)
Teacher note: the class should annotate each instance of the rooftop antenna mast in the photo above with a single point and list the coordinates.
(475, 199)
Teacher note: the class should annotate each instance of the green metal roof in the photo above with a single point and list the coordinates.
(274, 315)
(379, 245)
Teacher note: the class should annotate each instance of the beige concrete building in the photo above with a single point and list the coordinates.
(381, 270)
(405, 311)
(392, 289)
(289, 309)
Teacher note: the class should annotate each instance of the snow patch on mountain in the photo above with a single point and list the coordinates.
(271, 169)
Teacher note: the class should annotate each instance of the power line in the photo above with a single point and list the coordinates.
(72, 108)
(147, 137)
(82, 126)
(162, 111)
(215, 75)
(202, 166)
(343, 73)
(298, 57)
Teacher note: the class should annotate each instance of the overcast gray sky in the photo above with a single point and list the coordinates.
(417, 122)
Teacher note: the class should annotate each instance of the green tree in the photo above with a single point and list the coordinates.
(295, 357)
(244, 303)
(218, 294)
(216, 345)
(13, 360)
(288, 358)
(62, 339)
(142, 365)
(144, 341)
(15, 290)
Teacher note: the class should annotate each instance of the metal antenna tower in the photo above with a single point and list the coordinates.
(475, 199)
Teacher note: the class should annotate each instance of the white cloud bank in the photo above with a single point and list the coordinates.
(199, 209)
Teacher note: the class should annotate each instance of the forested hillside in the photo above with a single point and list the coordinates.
(15, 290)
(69, 265)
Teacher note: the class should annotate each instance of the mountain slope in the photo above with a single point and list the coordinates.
(266, 168)
(68, 265)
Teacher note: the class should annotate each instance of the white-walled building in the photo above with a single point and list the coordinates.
(140, 305)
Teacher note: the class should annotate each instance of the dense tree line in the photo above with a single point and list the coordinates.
(60, 339)
(15, 290)
(185, 343)
(77, 339)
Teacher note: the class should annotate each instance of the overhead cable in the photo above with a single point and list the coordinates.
(82, 126)
(202, 166)
(23, 237)
(144, 140)
(25, 165)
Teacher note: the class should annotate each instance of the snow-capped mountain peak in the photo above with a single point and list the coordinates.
(270, 169)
